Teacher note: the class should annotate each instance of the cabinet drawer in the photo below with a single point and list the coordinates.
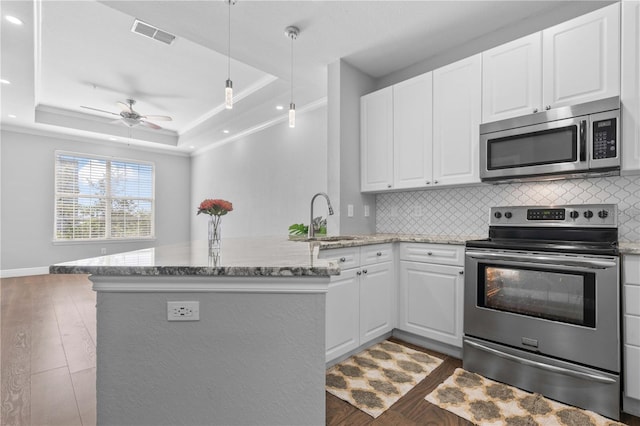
(631, 270)
(378, 253)
(347, 258)
(444, 254)
(632, 371)
(632, 330)
(631, 300)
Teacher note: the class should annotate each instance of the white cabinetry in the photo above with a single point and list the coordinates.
(630, 86)
(573, 62)
(413, 132)
(456, 119)
(512, 79)
(396, 136)
(431, 291)
(360, 304)
(631, 326)
(376, 134)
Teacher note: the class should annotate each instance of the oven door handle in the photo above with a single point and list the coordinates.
(541, 365)
(578, 261)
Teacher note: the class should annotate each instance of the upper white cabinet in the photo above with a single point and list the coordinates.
(376, 133)
(412, 132)
(512, 79)
(396, 136)
(630, 90)
(573, 62)
(457, 95)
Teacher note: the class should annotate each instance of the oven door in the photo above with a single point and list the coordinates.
(564, 306)
(556, 147)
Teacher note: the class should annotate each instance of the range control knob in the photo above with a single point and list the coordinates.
(497, 215)
(574, 214)
(603, 214)
(588, 214)
(508, 215)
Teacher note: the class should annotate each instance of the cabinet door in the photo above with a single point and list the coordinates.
(630, 90)
(631, 323)
(412, 132)
(376, 140)
(581, 58)
(512, 79)
(431, 298)
(377, 301)
(456, 120)
(342, 314)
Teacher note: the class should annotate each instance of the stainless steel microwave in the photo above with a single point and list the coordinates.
(572, 141)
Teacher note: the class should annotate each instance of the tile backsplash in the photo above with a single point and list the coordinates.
(464, 212)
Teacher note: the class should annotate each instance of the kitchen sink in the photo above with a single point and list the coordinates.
(332, 238)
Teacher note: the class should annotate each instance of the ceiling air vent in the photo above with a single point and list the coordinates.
(150, 31)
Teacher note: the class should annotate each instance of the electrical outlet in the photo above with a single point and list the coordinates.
(366, 210)
(103, 250)
(183, 311)
(350, 210)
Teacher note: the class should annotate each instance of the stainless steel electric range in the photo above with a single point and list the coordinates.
(542, 303)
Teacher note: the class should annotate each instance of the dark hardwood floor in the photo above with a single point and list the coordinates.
(48, 355)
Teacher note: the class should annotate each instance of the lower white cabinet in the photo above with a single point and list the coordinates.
(360, 303)
(631, 327)
(431, 291)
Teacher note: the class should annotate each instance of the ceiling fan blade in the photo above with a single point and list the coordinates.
(158, 117)
(124, 107)
(150, 124)
(100, 110)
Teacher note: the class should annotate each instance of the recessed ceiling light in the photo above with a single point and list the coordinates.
(225, 131)
(191, 146)
(12, 116)
(279, 107)
(13, 20)
(113, 139)
(3, 81)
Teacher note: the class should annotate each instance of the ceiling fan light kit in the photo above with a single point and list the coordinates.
(131, 118)
(292, 33)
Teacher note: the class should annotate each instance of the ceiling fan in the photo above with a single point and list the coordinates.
(132, 118)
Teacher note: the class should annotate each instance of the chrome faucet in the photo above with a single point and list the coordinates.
(312, 232)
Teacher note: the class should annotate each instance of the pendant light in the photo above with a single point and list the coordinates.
(228, 88)
(292, 33)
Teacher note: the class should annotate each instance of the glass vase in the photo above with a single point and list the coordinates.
(215, 234)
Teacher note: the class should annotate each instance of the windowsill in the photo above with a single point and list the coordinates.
(110, 241)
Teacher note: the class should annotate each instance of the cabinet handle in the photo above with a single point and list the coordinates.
(435, 181)
(343, 259)
(461, 272)
(364, 271)
(379, 253)
(388, 185)
(535, 110)
(429, 253)
(358, 273)
(548, 107)
(428, 182)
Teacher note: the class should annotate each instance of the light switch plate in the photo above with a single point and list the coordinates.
(350, 210)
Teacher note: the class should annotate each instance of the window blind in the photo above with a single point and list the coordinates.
(103, 198)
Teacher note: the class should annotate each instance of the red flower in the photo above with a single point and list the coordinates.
(215, 207)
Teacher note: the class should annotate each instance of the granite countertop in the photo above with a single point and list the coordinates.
(629, 248)
(362, 240)
(244, 257)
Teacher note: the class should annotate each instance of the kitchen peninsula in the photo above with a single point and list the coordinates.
(255, 356)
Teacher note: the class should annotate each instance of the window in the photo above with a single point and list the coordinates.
(101, 198)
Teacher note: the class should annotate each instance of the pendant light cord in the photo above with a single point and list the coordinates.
(292, 38)
(229, 45)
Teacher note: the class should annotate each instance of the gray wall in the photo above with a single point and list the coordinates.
(345, 87)
(27, 200)
(269, 176)
(252, 359)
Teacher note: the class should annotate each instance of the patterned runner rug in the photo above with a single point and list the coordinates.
(376, 378)
(485, 402)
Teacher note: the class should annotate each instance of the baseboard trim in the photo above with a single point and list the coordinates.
(631, 406)
(24, 272)
(428, 343)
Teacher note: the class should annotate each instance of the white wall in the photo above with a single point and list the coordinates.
(27, 200)
(269, 176)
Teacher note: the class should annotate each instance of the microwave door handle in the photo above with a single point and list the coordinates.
(583, 140)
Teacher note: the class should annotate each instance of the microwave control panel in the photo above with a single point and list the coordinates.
(604, 139)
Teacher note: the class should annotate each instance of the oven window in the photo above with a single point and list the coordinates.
(552, 295)
(532, 149)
